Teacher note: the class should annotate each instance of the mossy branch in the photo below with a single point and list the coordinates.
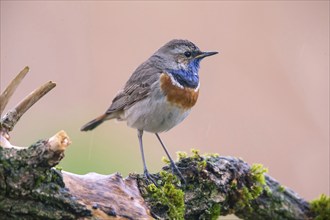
(227, 185)
(32, 188)
(215, 186)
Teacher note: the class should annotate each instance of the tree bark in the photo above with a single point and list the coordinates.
(31, 187)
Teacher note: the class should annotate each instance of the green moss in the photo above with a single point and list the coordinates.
(59, 168)
(233, 184)
(181, 155)
(166, 160)
(215, 211)
(212, 213)
(201, 165)
(281, 188)
(246, 196)
(268, 191)
(40, 179)
(195, 154)
(258, 184)
(257, 173)
(321, 207)
(168, 196)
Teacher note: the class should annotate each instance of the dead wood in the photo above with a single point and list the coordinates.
(31, 187)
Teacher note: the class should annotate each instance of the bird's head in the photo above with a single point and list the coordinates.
(182, 55)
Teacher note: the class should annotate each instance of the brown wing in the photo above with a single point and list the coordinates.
(136, 88)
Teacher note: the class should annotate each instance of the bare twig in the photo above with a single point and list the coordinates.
(11, 118)
(8, 92)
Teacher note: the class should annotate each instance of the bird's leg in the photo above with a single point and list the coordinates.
(174, 167)
(145, 170)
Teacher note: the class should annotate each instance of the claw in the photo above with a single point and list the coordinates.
(149, 177)
(175, 170)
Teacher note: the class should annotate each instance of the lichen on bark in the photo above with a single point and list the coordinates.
(217, 185)
(31, 189)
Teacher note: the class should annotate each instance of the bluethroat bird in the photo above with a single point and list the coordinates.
(159, 94)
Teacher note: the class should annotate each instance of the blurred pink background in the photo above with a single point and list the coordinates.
(264, 97)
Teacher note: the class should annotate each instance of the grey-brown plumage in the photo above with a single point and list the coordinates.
(136, 88)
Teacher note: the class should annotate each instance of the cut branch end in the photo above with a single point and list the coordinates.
(59, 142)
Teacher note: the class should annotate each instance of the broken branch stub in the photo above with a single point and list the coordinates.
(30, 187)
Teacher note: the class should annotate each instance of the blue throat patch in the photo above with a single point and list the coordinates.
(187, 77)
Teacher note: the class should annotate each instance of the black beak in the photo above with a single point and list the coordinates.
(205, 54)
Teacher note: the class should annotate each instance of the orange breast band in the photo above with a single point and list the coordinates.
(181, 97)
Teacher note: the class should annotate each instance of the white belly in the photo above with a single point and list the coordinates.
(154, 115)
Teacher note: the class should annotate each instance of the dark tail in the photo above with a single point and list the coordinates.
(94, 123)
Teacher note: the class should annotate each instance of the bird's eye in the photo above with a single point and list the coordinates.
(187, 54)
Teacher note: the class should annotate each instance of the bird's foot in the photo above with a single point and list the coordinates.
(175, 170)
(149, 177)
